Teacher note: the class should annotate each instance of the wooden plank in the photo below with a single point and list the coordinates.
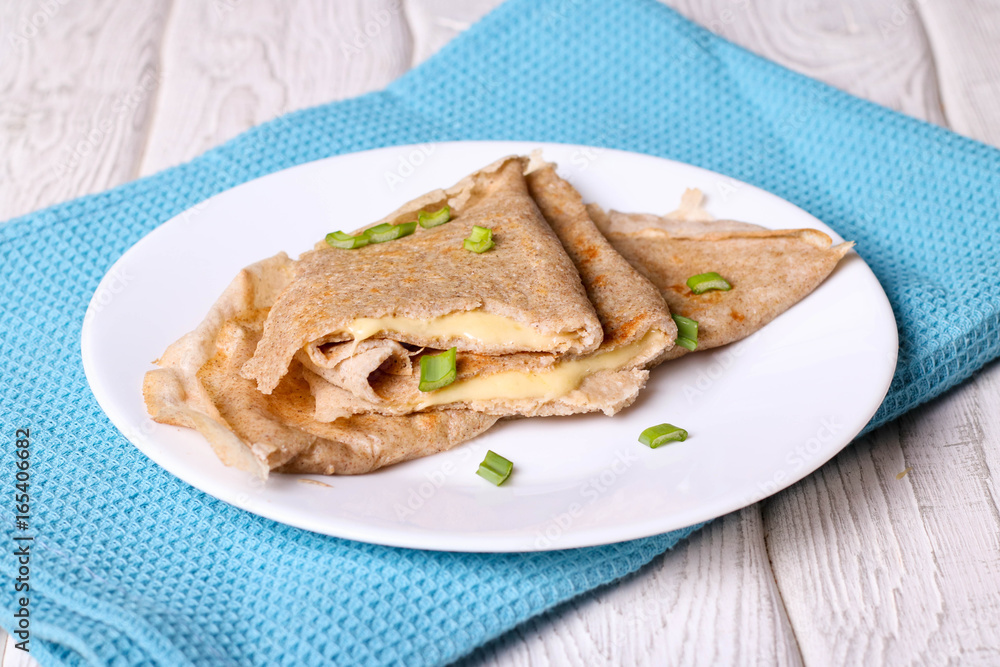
(76, 85)
(965, 35)
(845, 43)
(230, 65)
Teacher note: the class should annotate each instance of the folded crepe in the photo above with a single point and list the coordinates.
(636, 326)
(199, 386)
(427, 291)
(769, 270)
(347, 401)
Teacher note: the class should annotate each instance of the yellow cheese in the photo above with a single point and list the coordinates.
(562, 378)
(484, 328)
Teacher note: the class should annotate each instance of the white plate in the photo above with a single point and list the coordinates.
(762, 413)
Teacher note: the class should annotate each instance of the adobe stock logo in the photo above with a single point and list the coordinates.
(364, 36)
(28, 28)
(461, 460)
(408, 164)
(722, 359)
(115, 283)
(799, 457)
(591, 491)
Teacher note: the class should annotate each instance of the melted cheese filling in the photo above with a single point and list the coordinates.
(484, 328)
(562, 378)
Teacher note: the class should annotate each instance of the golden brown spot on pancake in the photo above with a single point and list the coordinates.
(712, 297)
(628, 329)
(599, 281)
(590, 252)
(739, 317)
(679, 289)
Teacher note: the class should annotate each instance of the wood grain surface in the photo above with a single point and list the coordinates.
(855, 564)
(77, 82)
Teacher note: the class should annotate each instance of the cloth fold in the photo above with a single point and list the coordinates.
(132, 565)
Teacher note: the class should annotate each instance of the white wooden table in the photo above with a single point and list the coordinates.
(855, 564)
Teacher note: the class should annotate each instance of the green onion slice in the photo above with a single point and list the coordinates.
(480, 240)
(687, 332)
(654, 436)
(386, 232)
(686, 343)
(437, 370)
(428, 220)
(704, 282)
(495, 468)
(342, 240)
(377, 229)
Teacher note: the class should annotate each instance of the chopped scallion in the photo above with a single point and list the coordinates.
(687, 343)
(704, 282)
(654, 436)
(386, 232)
(480, 239)
(495, 468)
(433, 219)
(342, 240)
(687, 332)
(437, 370)
(378, 229)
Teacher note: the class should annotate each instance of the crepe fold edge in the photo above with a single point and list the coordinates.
(777, 268)
(173, 393)
(198, 386)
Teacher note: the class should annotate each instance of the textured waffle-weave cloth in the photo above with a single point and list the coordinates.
(131, 566)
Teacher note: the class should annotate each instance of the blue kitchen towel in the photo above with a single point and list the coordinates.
(131, 566)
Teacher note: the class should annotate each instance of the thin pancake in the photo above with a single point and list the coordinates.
(198, 386)
(637, 330)
(428, 291)
(769, 270)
